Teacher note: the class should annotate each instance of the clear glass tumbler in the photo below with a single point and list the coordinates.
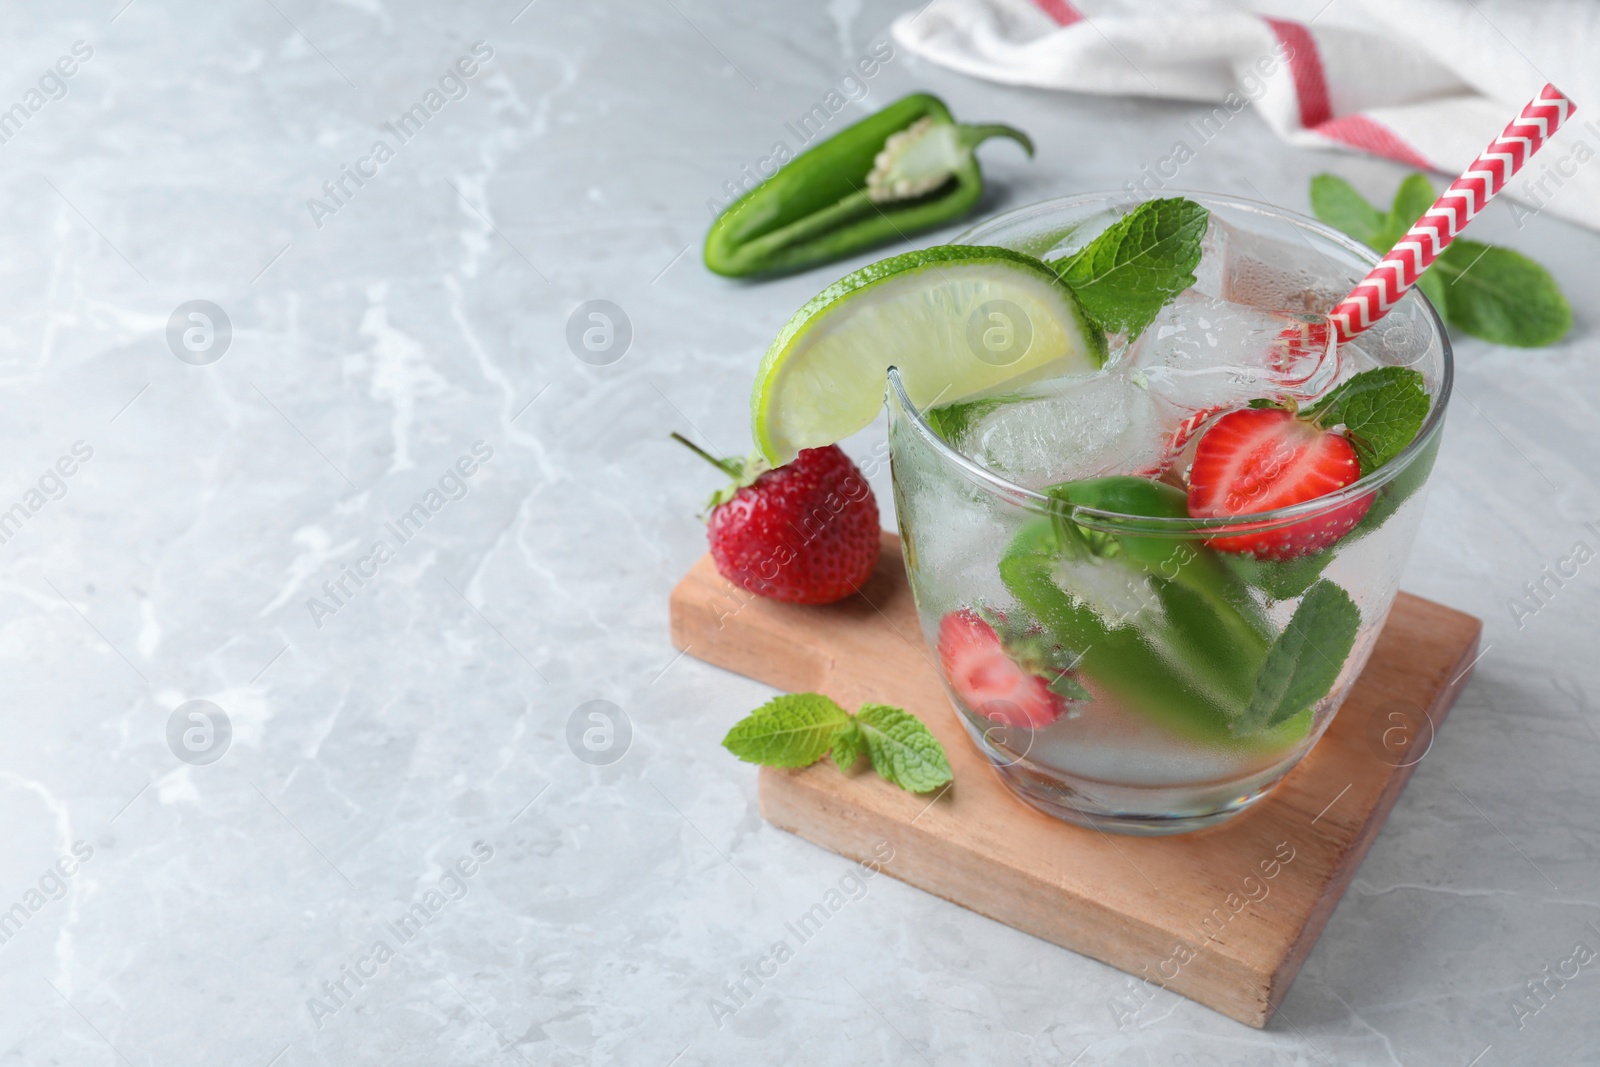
(1168, 635)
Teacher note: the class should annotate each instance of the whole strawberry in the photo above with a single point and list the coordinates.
(805, 532)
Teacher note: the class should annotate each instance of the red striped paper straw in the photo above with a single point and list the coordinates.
(1397, 272)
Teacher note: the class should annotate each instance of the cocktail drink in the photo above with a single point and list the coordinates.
(1157, 467)
(1151, 569)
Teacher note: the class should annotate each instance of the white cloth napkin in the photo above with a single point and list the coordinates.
(1427, 83)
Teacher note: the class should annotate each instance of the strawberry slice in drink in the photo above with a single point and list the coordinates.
(1016, 679)
(1261, 459)
(1204, 356)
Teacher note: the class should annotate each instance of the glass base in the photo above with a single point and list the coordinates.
(1149, 811)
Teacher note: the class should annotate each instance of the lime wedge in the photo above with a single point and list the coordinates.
(957, 320)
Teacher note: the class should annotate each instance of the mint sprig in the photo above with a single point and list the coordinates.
(793, 730)
(798, 729)
(1336, 202)
(901, 748)
(1280, 579)
(1381, 411)
(1483, 290)
(848, 743)
(1305, 660)
(1125, 276)
(1500, 296)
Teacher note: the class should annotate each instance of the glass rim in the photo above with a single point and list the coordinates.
(1255, 521)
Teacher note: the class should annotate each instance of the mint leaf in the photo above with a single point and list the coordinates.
(1279, 579)
(1305, 660)
(1488, 292)
(1381, 411)
(1501, 295)
(1433, 286)
(1482, 290)
(1397, 492)
(1125, 276)
(902, 749)
(1069, 688)
(794, 730)
(1415, 196)
(798, 729)
(952, 421)
(847, 745)
(1286, 579)
(1336, 202)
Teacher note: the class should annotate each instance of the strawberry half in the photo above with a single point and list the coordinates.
(1260, 459)
(806, 532)
(1009, 678)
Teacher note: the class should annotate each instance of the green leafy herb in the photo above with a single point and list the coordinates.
(1381, 411)
(1286, 579)
(794, 730)
(1488, 292)
(1414, 197)
(1279, 579)
(1033, 650)
(1068, 688)
(902, 749)
(798, 729)
(847, 745)
(1125, 276)
(1305, 660)
(1501, 296)
(1337, 203)
(1397, 492)
(952, 421)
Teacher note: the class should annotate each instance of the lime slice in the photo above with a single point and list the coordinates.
(957, 320)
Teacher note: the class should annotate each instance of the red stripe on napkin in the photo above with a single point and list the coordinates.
(1316, 105)
(1062, 12)
(1305, 65)
(1369, 135)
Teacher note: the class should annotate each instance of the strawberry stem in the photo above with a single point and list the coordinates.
(733, 468)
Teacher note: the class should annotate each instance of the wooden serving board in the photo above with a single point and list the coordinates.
(1196, 913)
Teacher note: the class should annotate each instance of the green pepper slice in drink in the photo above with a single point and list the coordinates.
(1190, 652)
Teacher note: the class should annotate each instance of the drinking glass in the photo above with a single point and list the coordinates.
(1175, 645)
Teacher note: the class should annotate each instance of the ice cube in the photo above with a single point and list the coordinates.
(1203, 353)
(1209, 276)
(957, 528)
(1285, 277)
(1062, 429)
(1246, 267)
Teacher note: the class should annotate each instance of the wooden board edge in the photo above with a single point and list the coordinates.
(792, 803)
(698, 611)
(703, 611)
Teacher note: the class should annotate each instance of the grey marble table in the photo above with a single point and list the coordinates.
(379, 843)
